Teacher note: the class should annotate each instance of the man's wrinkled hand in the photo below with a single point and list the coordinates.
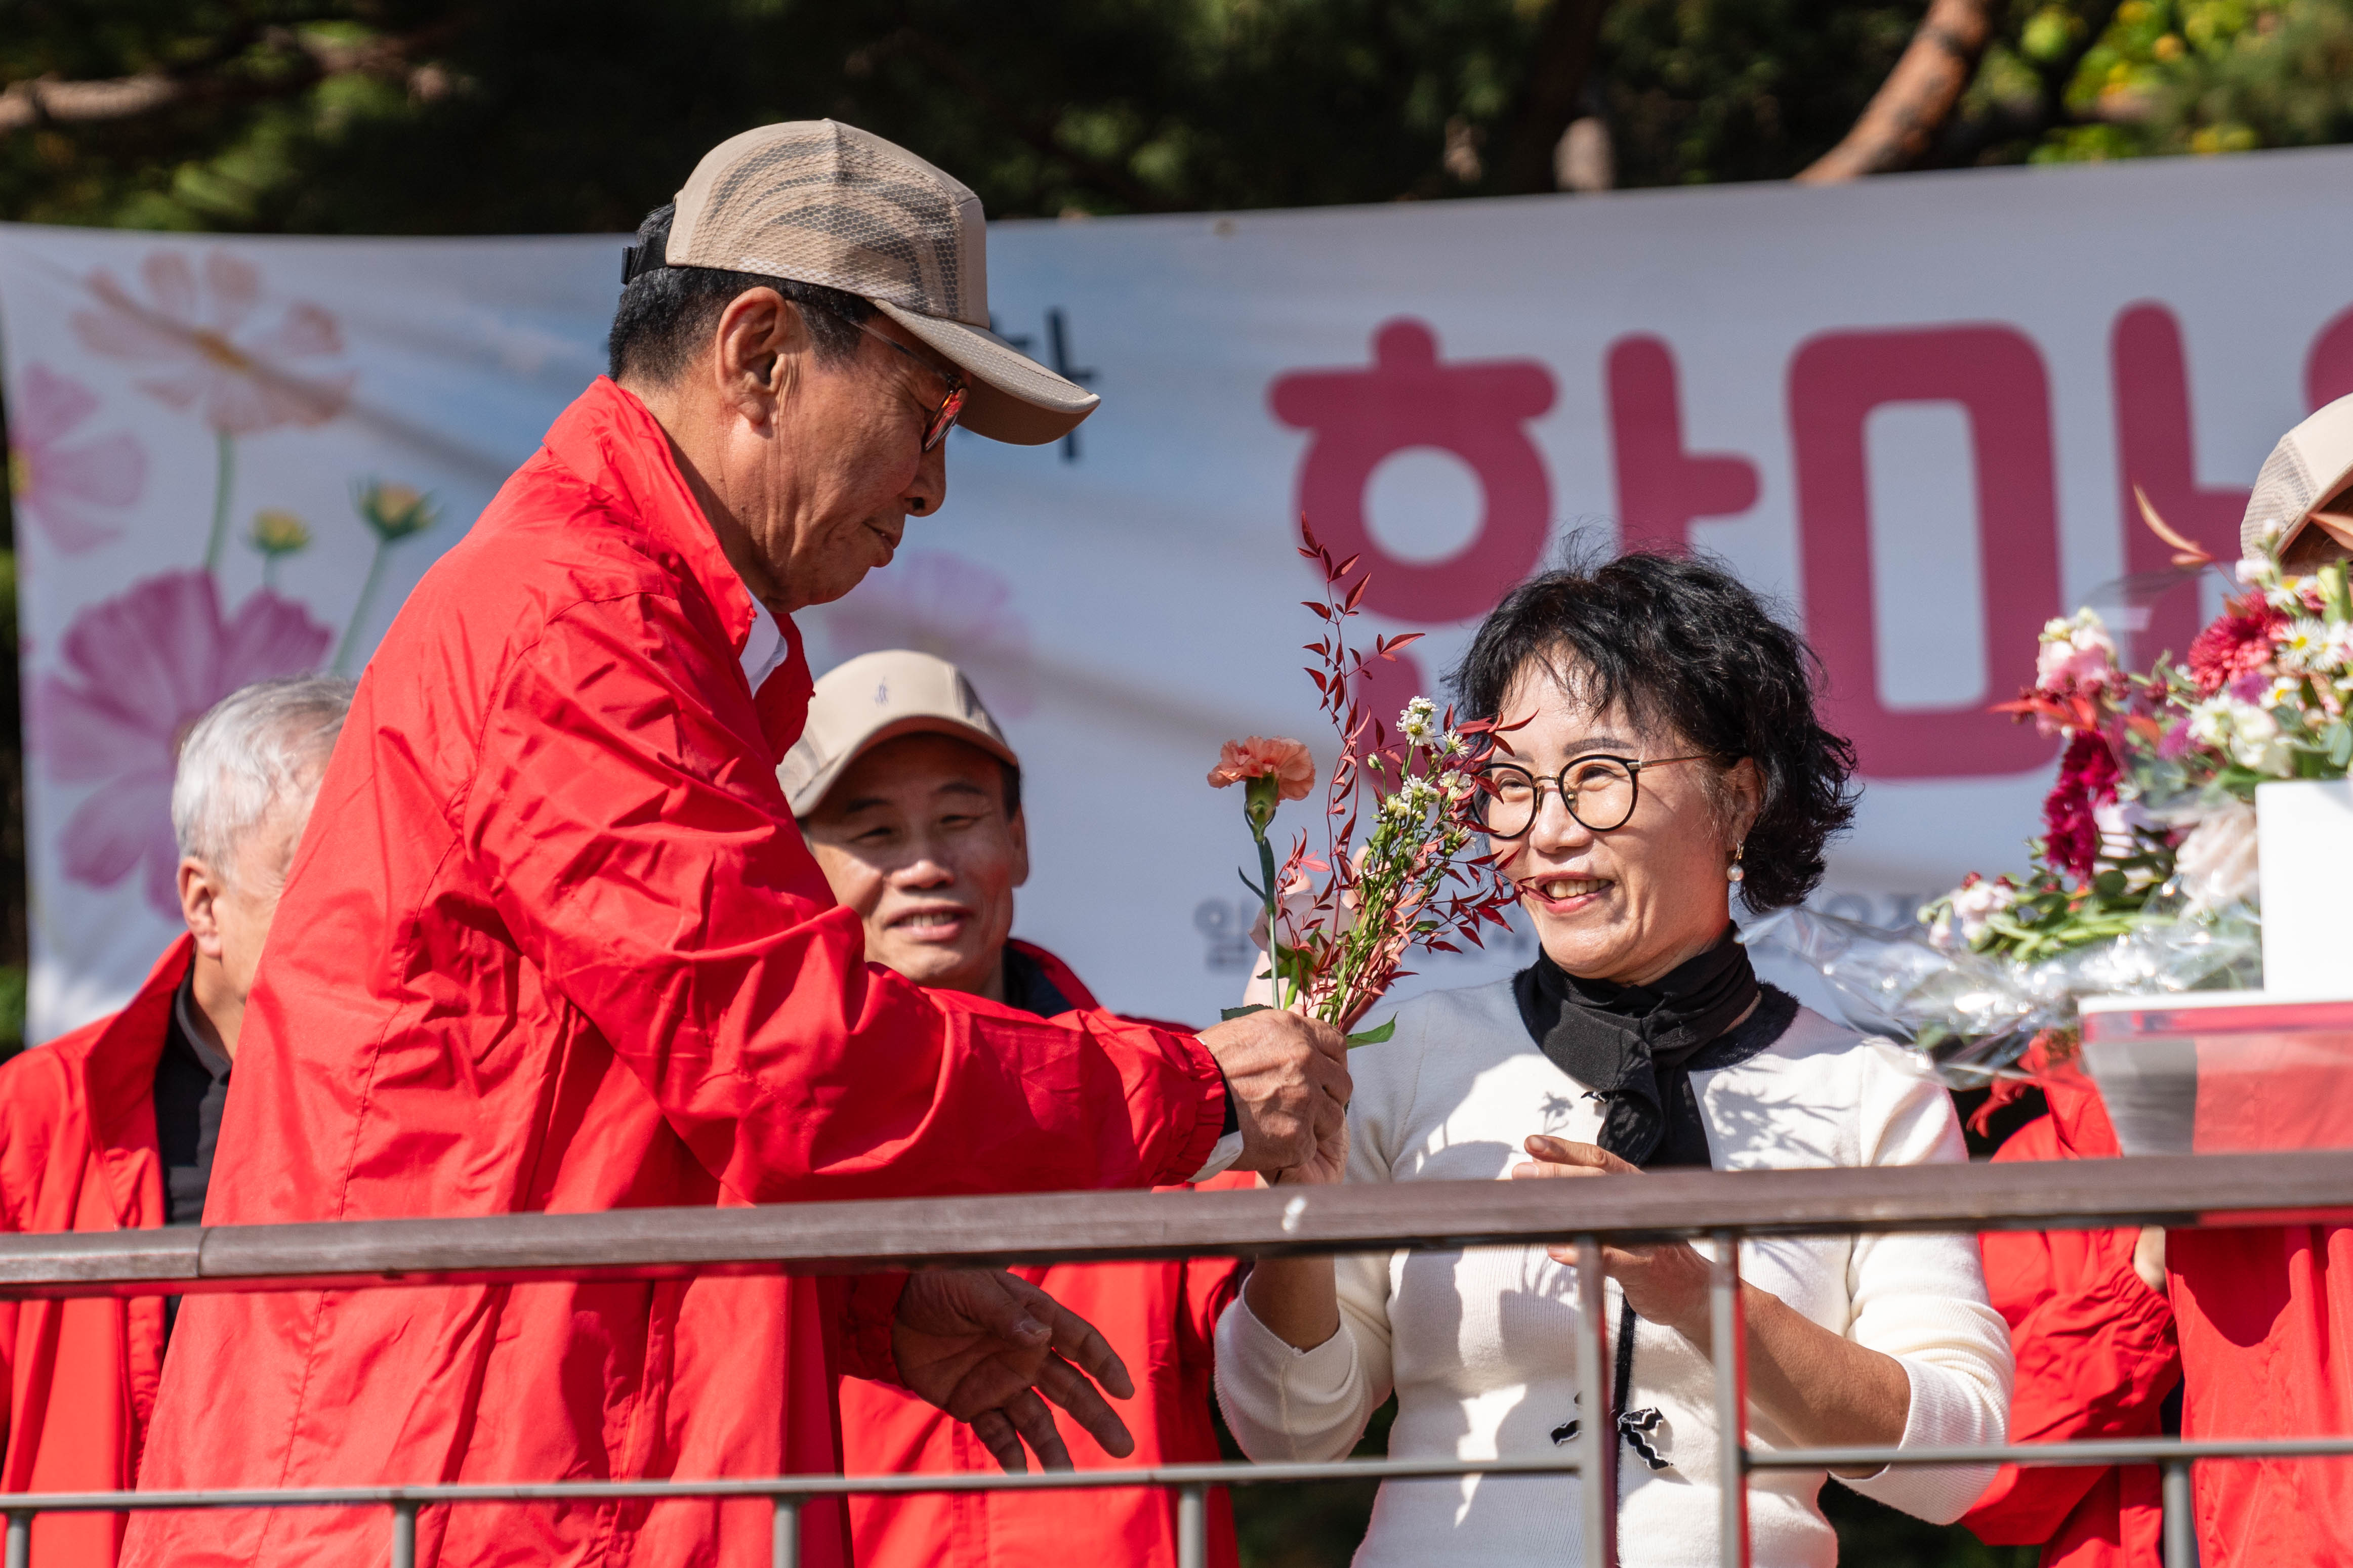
(1288, 1076)
(985, 1346)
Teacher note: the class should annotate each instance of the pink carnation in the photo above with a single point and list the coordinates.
(1255, 756)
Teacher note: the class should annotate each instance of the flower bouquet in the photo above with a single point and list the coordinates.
(2144, 879)
(1338, 922)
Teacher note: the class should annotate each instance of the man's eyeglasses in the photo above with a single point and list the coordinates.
(942, 418)
(1598, 790)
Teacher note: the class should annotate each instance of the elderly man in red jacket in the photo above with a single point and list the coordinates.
(113, 1126)
(910, 798)
(554, 942)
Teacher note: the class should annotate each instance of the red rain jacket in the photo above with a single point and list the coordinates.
(2266, 1316)
(77, 1153)
(552, 941)
(1161, 1317)
(2095, 1359)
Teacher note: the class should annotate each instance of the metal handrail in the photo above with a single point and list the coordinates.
(1721, 1206)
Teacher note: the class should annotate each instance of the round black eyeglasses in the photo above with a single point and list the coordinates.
(1598, 790)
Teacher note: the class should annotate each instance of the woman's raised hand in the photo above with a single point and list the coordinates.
(1665, 1283)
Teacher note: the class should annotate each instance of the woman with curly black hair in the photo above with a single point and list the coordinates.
(1665, 757)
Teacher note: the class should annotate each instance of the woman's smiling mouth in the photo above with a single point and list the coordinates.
(1565, 895)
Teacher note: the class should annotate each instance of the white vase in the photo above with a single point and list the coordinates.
(2304, 836)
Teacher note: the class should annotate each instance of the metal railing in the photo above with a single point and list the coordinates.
(1719, 1206)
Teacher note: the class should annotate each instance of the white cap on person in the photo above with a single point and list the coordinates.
(879, 696)
(820, 202)
(2303, 494)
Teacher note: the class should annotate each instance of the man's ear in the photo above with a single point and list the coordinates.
(757, 350)
(1019, 828)
(200, 893)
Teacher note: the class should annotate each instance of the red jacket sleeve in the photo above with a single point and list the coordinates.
(625, 808)
(2095, 1356)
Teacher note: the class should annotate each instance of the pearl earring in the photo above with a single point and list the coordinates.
(1732, 873)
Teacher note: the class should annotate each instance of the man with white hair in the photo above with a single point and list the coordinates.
(112, 1126)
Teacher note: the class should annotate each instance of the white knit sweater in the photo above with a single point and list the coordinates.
(1480, 1344)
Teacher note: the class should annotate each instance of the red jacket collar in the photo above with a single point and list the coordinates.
(613, 442)
(117, 1063)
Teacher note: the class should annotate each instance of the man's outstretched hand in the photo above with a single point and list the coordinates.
(984, 1345)
(1288, 1076)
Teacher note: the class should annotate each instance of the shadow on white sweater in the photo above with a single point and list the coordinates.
(1480, 1344)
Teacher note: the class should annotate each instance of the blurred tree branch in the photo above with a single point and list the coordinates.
(1551, 95)
(297, 60)
(1909, 112)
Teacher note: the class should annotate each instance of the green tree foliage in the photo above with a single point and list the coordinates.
(468, 116)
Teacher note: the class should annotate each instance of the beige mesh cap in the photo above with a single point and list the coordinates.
(2302, 491)
(820, 202)
(879, 696)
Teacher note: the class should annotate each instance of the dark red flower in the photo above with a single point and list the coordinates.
(2088, 781)
(2238, 642)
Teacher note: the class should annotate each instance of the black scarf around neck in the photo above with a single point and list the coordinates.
(1635, 1046)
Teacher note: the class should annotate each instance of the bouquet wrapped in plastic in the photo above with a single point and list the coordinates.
(2144, 880)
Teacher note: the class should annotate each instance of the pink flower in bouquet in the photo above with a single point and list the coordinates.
(195, 332)
(2217, 862)
(2076, 655)
(140, 671)
(1288, 761)
(64, 485)
(2240, 642)
(2088, 781)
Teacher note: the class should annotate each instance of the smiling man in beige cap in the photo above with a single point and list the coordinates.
(568, 951)
(910, 798)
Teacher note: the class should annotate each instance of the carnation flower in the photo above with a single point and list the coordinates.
(2087, 779)
(2239, 642)
(2076, 655)
(1288, 763)
(2216, 863)
(1964, 915)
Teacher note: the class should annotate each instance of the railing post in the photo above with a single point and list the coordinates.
(784, 1546)
(1730, 1336)
(20, 1539)
(1193, 1526)
(2181, 1524)
(1597, 1442)
(404, 1535)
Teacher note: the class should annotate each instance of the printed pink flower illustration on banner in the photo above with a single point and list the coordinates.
(139, 670)
(938, 602)
(194, 331)
(194, 334)
(64, 484)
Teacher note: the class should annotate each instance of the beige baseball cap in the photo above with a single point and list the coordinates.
(2305, 493)
(879, 696)
(820, 202)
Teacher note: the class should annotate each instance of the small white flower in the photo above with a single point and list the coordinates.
(2304, 645)
(2286, 596)
(1454, 746)
(1418, 722)
(2337, 647)
(2251, 570)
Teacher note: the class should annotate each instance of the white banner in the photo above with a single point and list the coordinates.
(1912, 410)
